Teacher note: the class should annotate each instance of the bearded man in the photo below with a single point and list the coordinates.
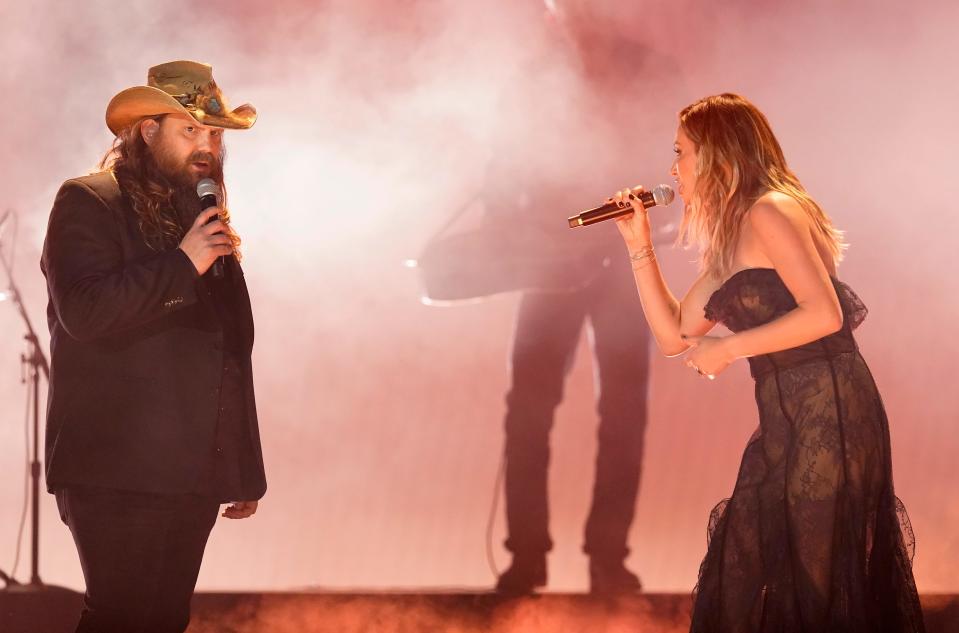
(151, 421)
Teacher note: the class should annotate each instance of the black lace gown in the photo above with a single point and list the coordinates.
(813, 538)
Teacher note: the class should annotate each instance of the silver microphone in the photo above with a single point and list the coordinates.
(207, 190)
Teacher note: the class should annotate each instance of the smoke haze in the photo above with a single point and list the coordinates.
(382, 417)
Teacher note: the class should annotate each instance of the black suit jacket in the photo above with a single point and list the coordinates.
(136, 351)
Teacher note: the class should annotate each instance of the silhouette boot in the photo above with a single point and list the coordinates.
(609, 576)
(525, 574)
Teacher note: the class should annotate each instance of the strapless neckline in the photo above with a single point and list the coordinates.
(753, 296)
(736, 274)
(741, 271)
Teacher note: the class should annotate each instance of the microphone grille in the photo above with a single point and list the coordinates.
(663, 195)
(207, 187)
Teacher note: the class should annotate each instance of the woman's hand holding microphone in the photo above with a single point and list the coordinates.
(634, 227)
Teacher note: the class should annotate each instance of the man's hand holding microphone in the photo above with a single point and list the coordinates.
(206, 240)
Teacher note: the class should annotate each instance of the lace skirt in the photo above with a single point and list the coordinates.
(813, 537)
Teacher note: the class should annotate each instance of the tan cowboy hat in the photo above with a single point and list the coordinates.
(181, 87)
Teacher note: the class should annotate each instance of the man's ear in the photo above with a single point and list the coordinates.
(149, 129)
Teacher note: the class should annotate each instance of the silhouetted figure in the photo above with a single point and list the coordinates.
(552, 164)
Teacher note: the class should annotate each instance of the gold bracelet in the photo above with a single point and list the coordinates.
(646, 252)
(643, 257)
(644, 264)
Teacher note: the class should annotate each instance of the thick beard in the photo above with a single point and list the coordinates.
(179, 174)
(186, 203)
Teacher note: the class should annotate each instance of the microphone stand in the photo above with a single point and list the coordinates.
(35, 362)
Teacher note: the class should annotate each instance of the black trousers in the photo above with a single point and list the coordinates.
(545, 339)
(140, 555)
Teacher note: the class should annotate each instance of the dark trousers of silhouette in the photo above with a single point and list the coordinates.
(140, 555)
(545, 340)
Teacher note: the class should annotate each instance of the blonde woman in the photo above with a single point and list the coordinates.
(813, 537)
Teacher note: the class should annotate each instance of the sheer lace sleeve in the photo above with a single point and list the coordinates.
(853, 309)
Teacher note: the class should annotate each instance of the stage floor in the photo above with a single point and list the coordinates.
(424, 612)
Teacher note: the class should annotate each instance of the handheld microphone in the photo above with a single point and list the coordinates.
(207, 191)
(661, 195)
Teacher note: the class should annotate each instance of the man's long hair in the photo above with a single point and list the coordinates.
(738, 160)
(152, 195)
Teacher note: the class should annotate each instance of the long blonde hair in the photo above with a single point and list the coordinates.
(738, 160)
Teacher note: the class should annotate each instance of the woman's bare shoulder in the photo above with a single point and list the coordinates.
(775, 206)
(775, 215)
